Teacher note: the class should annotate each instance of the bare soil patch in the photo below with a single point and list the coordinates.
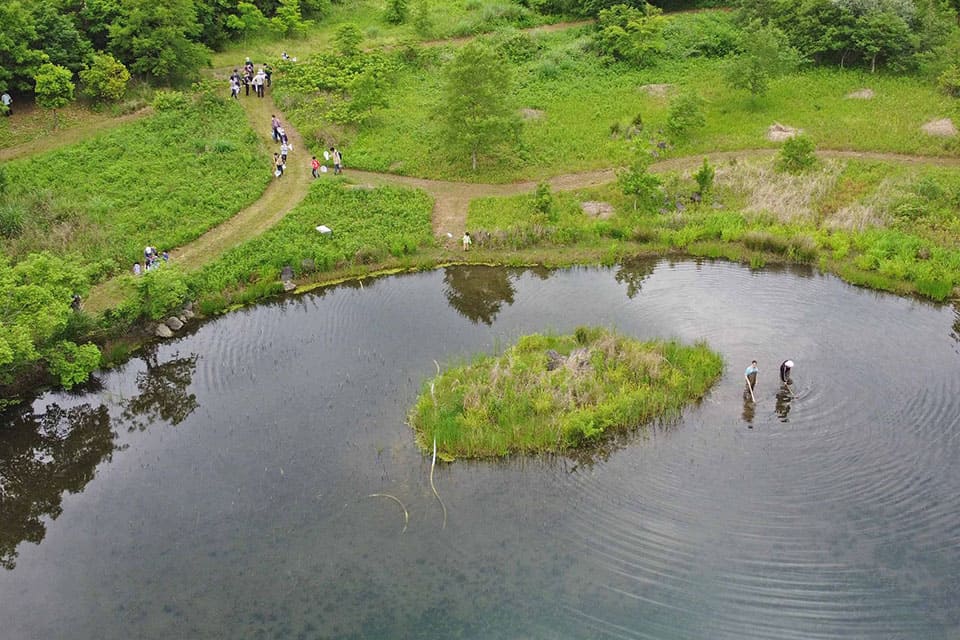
(861, 94)
(779, 132)
(657, 90)
(595, 209)
(943, 128)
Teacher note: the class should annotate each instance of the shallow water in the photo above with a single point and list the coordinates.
(218, 487)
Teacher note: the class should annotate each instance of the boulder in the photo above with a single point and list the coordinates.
(173, 322)
(187, 315)
(289, 285)
(163, 331)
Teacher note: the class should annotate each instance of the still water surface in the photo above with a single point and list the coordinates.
(218, 486)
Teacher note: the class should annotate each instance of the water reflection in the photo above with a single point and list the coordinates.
(163, 392)
(41, 456)
(633, 274)
(478, 292)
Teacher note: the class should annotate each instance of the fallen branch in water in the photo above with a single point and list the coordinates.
(406, 516)
(432, 486)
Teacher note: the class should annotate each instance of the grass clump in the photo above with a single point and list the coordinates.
(552, 393)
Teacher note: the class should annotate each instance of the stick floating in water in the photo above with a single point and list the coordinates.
(406, 516)
(432, 486)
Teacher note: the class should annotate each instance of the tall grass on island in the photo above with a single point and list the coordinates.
(555, 393)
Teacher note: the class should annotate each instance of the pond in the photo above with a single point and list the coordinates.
(218, 485)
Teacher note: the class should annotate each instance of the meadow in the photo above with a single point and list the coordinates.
(577, 106)
(369, 226)
(161, 181)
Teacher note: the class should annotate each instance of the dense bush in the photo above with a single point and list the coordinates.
(797, 154)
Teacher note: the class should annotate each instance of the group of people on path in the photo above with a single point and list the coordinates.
(259, 80)
(151, 260)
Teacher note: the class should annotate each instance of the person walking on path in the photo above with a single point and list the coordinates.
(278, 164)
(234, 89)
(284, 150)
(275, 124)
(337, 160)
(267, 72)
(246, 78)
(467, 241)
(751, 377)
(315, 167)
(7, 102)
(258, 81)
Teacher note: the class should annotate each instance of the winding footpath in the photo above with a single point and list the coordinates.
(451, 199)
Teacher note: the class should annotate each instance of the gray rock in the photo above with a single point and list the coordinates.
(554, 360)
(187, 315)
(289, 286)
(173, 322)
(286, 273)
(163, 331)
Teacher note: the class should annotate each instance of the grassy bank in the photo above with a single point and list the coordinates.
(161, 181)
(555, 393)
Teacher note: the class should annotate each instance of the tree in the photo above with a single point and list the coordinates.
(797, 155)
(19, 59)
(105, 79)
(248, 21)
(396, 11)
(638, 182)
(685, 115)
(477, 111)
(766, 54)
(54, 89)
(59, 38)
(348, 38)
(288, 21)
(886, 35)
(158, 39)
(631, 34)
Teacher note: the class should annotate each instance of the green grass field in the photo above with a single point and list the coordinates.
(161, 181)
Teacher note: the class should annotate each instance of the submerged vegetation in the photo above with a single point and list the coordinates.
(552, 393)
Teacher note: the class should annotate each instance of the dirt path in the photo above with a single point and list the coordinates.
(280, 196)
(72, 135)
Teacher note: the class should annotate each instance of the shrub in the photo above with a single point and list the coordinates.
(72, 363)
(543, 199)
(161, 290)
(396, 11)
(949, 81)
(685, 115)
(704, 177)
(169, 101)
(105, 79)
(797, 154)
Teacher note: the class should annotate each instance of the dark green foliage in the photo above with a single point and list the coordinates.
(397, 11)
(515, 45)
(797, 154)
(634, 35)
(543, 200)
(703, 35)
(159, 40)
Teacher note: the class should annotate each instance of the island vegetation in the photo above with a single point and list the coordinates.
(816, 132)
(555, 393)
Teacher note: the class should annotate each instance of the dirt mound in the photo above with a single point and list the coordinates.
(531, 114)
(599, 210)
(943, 128)
(780, 132)
(657, 90)
(861, 94)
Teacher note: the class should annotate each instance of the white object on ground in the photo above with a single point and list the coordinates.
(324, 229)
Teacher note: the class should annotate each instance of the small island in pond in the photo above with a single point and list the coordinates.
(557, 393)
